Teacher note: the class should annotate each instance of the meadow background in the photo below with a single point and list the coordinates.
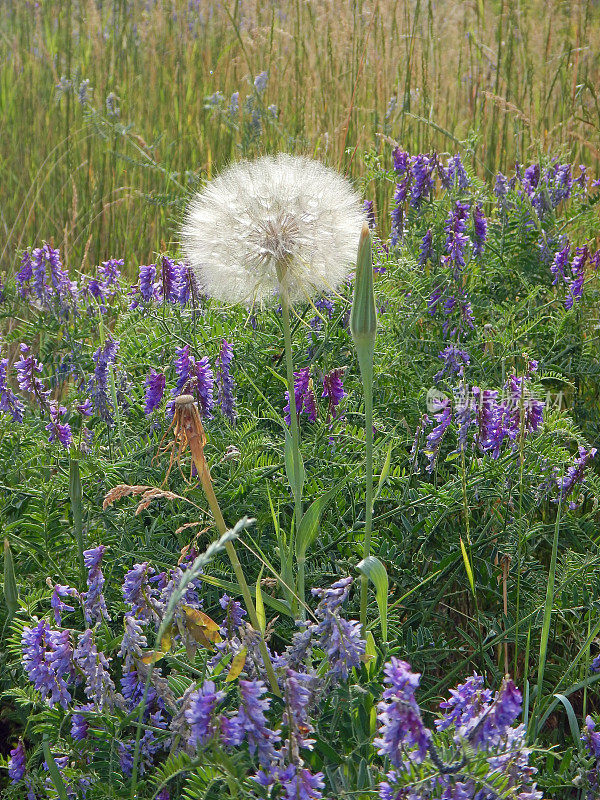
(113, 114)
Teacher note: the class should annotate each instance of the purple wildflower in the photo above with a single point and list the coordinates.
(397, 215)
(57, 603)
(434, 300)
(146, 281)
(94, 605)
(333, 388)
(301, 379)
(155, 387)
(298, 696)
(28, 368)
(558, 266)
(186, 285)
(340, 638)
(234, 615)
(104, 358)
(252, 723)
(169, 280)
(204, 386)
(457, 240)
(59, 431)
(466, 703)
(99, 687)
(421, 167)
(184, 366)
(575, 473)
(309, 403)
(370, 214)
(578, 271)
(79, 723)
(426, 248)
(455, 360)
(132, 644)
(595, 665)
(480, 227)
(399, 715)
(591, 737)
(225, 381)
(16, 763)
(298, 783)
(9, 402)
(200, 713)
(47, 661)
(494, 721)
(454, 173)
(501, 187)
(137, 592)
(434, 438)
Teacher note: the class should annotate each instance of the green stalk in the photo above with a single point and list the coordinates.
(365, 361)
(546, 624)
(76, 497)
(297, 481)
(363, 327)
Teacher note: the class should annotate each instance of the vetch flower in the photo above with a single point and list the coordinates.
(94, 604)
(200, 713)
(9, 402)
(333, 388)
(280, 224)
(16, 763)
(59, 431)
(399, 716)
(155, 387)
(57, 604)
(480, 227)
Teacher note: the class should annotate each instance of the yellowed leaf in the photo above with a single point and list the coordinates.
(237, 665)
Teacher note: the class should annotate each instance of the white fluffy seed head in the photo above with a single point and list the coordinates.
(280, 224)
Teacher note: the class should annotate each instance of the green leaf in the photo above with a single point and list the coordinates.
(573, 724)
(468, 569)
(11, 590)
(55, 775)
(260, 606)
(296, 481)
(309, 524)
(386, 468)
(377, 574)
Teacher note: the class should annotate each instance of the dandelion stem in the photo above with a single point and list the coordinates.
(366, 369)
(193, 436)
(297, 481)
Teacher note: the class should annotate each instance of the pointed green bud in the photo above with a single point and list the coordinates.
(363, 317)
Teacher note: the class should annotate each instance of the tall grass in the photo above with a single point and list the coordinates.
(507, 79)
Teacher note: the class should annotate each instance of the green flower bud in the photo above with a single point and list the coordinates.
(363, 317)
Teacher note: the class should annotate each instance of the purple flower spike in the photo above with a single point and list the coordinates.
(457, 240)
(155, 387)
(146, 281)
(94, 605)
(104, 358)
(575, 473)
(252, 723)
(370, 214)
(426, 249)
(47, 660)
(399, 716)
(16, 763)
(560, 263)
(333, 388)
(434, 439)
(301, 379)
(480, 227)
(59, 431)
(28, 368)
(9, 402)
(200, 713)
(58, 606)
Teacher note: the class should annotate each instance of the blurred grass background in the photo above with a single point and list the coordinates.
(500, 81)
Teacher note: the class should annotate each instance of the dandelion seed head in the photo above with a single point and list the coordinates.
(280, 224)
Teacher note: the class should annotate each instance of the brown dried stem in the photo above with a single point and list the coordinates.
(188, 429)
